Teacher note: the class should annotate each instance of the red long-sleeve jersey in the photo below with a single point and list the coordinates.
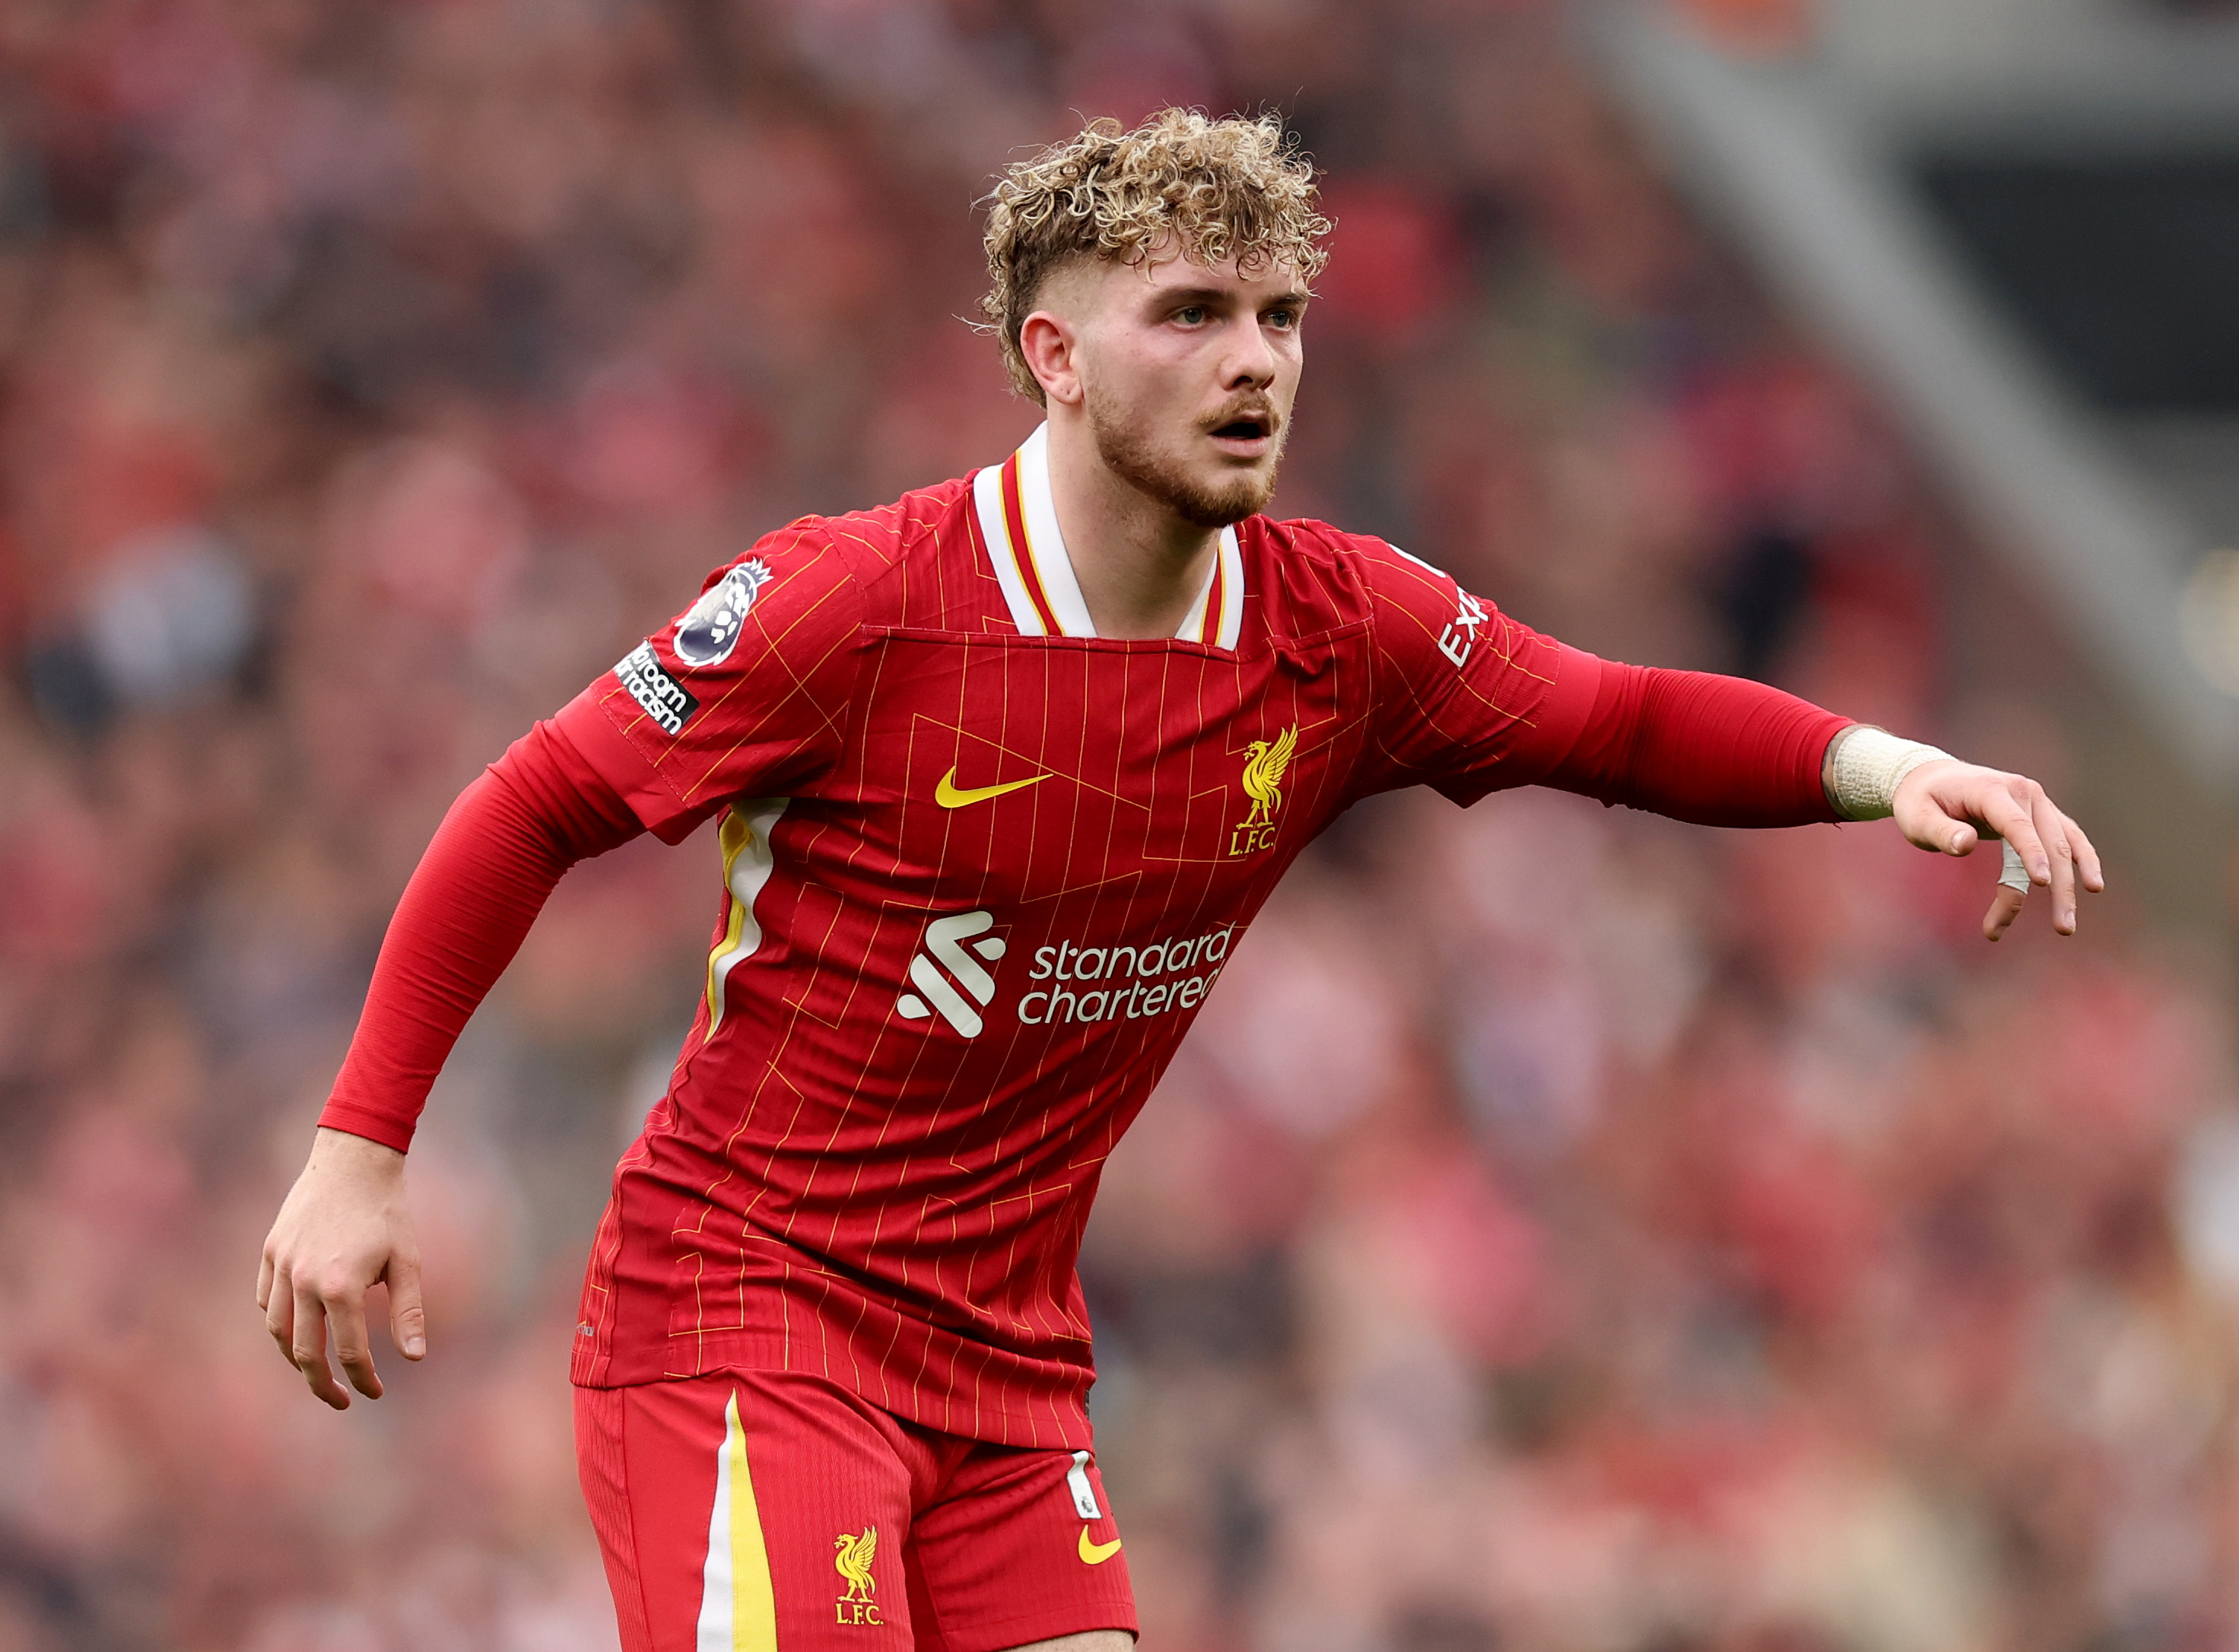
(980, 867)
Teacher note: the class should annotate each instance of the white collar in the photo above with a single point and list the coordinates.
(1035, 571)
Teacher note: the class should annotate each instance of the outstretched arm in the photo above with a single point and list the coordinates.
(1724, 751)
(1472, 701)
(345, 1226)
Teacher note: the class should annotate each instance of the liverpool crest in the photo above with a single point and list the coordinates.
(853, 1562)
(1264, 765)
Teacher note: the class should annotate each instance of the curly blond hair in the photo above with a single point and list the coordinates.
(1237, 187)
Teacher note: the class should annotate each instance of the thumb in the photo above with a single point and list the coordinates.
(1935, 828)
(407, 1320)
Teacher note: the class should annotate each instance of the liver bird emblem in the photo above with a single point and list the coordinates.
(854, 1562)
(1263, 775)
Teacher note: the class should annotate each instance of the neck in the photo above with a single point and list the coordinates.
(1139, 566)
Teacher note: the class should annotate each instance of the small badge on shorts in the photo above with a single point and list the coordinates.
(1083, 1504)
(852, 1562)
(1083, 1495)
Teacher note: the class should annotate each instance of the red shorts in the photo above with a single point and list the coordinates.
(752, 1511)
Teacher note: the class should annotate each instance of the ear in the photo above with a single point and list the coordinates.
(1051, 346)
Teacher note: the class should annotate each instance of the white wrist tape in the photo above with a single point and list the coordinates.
(1870, 765)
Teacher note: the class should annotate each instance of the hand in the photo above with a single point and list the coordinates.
(343, 1227)
(1949, 806)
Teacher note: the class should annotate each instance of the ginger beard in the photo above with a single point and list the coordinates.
(1130, 447)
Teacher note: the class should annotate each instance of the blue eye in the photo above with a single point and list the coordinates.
(1190, 315)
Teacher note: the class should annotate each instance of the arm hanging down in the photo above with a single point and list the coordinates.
(771, 666)
(489, 871)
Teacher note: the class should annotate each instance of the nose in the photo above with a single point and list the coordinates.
(1250, 358)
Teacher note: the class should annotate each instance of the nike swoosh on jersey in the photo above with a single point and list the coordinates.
(1097, 1554)
(948, 796)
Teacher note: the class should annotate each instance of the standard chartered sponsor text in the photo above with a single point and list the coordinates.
(1130, 981)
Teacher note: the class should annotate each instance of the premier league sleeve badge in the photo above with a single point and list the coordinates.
(706, 635)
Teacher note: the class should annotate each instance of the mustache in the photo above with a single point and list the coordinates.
(1250, 404)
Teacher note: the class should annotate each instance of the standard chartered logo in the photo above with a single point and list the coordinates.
(1074, 985)
(944, 939)
(1123, 983)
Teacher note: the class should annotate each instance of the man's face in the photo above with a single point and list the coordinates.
(1188, 375)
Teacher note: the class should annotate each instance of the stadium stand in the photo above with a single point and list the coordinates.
(1564, 1230)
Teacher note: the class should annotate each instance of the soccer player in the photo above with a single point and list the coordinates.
(1003, 770)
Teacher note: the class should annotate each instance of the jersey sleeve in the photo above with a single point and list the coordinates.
(743, 694)
(1468, 701)
(503, 846)
(1716, 750)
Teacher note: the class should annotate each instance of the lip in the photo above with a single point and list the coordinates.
(1240, 447)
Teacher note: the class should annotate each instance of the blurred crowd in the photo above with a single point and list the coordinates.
(1564, 1232)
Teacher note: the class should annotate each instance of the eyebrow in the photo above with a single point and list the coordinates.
(1218, 295)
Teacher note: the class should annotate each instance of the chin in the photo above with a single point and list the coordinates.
(1214, 495)
(1223, 501)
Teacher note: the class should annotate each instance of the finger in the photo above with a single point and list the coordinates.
(353, 1341)
(2005, 906)
(2052, 827)
(308, 1348)
(2004, 815)
(407, 1320)
(2011, 872)
(280, 1314)
(264, 1281)
(2086, 858)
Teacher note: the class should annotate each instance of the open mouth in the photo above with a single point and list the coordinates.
(1241, 430)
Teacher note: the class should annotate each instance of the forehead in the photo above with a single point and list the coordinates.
(1089, 285)
(1168, 271)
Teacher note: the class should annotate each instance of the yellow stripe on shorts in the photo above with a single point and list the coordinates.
(738, 1610)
